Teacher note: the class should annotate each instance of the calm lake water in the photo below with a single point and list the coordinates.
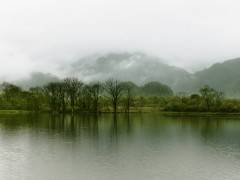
(147, 146)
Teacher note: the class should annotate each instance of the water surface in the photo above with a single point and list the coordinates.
(147, 146)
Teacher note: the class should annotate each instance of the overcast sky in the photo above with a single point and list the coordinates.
(43, 34)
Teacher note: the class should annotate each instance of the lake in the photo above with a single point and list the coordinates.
(139, 146)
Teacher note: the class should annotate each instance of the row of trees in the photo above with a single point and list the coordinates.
(207, 100)
(67, 95)
(71, 95)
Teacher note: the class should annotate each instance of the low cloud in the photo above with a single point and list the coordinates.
(48, 34)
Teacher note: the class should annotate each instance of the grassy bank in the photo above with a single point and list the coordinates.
(13, 112)
(135, 110)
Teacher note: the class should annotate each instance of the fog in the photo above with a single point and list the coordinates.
(46, 35)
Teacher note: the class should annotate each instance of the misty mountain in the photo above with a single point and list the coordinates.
(221, 76)
(37, 79)
(136, 67)
(141, 69)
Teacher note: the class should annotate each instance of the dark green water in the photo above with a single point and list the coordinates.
(139, 147)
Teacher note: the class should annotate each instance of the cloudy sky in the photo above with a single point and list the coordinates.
(41, 35)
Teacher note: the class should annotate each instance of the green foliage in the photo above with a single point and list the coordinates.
(208, 100)
(13, 97)
(71, 95)
(156, 89)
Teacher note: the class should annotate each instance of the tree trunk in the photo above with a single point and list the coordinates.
(115, 107)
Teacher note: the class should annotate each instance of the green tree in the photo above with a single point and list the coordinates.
(12, 95)
(211, 97)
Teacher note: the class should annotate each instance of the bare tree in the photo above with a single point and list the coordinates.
(37, 98)
(56, 94)
(95, 90)
(73, 86)
(128, 97)
(114, 89)
(61, 96)
(51, 93)
(85, 98)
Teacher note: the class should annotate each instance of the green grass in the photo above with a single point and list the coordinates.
(13, 112)
(136, 110)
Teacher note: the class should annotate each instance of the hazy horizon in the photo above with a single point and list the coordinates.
(45, 35)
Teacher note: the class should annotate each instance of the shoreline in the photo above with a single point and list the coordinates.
(160, 112)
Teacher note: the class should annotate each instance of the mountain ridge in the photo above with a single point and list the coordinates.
(137, 67)
(141, 68)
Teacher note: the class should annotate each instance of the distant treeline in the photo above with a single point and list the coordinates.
(72, 95)
(206, 100)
